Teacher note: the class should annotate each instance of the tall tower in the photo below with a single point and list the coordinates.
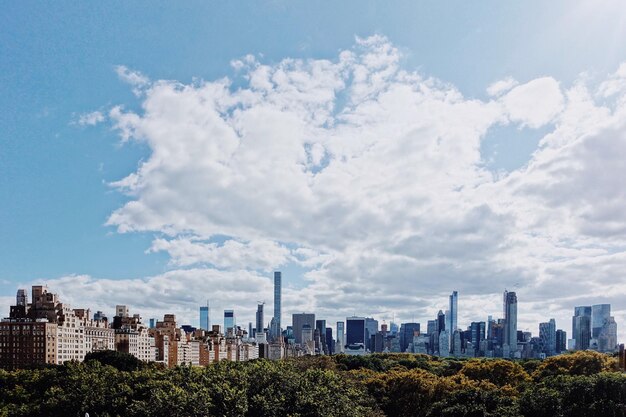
(259, 318)
(510, 320)
(581, 327)
(454, 312)
(277, 303)
(204, 317)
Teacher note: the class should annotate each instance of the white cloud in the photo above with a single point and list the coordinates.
(90, 119)
(501, 86)
(134, 78)
(373, 177)
(535, 103)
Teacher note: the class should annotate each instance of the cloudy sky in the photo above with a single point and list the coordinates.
(381, 157)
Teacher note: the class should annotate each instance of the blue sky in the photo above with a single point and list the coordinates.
(59, 61)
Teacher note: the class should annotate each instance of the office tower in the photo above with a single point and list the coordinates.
(250, 330)
(561, 341)
(547, 335)
(607, 338)
(510, 321)
(431, 327)
(121, 311)
(152, 323)
(600, 313)
(477, 331)
(341, 339)
(444, 346)
(320, 326)
(298, 321)
(355, 330)
(229, 321)
(393, 328)
(407, 331)
(330, 343)
(205, 323)
(454, 310)
(276, 329)
(21, 299)
(441, 321)
(581, 327)
(259, 318)
(371, 328)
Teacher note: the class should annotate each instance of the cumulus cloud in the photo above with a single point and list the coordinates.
(535, 103)
(501, 86)
(371, 178)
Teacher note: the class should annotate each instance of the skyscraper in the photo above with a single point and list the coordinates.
(600, 314)
(510, 320)
(561, 341)
(259, 318)
(454, 310)
(407, 330)
(371, 328)
(277, 304)
(204, 317)
(229, 320)
(355, 330)
(581, 327)
(341, 339)
(298, 321)
(547, 335)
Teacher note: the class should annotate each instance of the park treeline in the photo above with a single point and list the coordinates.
(115, 384)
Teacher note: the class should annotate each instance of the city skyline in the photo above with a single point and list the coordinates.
(379, 157)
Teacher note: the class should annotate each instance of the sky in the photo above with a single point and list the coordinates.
(381, 155)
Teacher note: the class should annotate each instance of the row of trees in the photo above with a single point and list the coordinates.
(113, 384)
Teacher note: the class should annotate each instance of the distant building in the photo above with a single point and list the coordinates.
(276, 324)
(341, 338)
(561, 341)
(510, 321)
(229, 320)
(407, 331)
(581, 327)
(205, 323)
(298, 322)
(355, 330)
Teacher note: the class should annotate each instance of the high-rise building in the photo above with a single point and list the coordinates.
(561, 341)
(600, 314)
(341, 339)
(277, 304)
(330, 343)
(454, 310)
(355, 330)
(581, 327)
(205, 324)
(298, 321)
(407, 331)
(510, 320)
(371, 328)
(259, 318)
(229, 321)
(478, 330)
(547, 335)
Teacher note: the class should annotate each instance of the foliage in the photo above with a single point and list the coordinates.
(107, 384)
(119, 360)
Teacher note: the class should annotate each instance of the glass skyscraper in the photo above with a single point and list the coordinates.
(204, 317)
(355, 330)
(510, 320)
(229, 320)
(277, 304)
